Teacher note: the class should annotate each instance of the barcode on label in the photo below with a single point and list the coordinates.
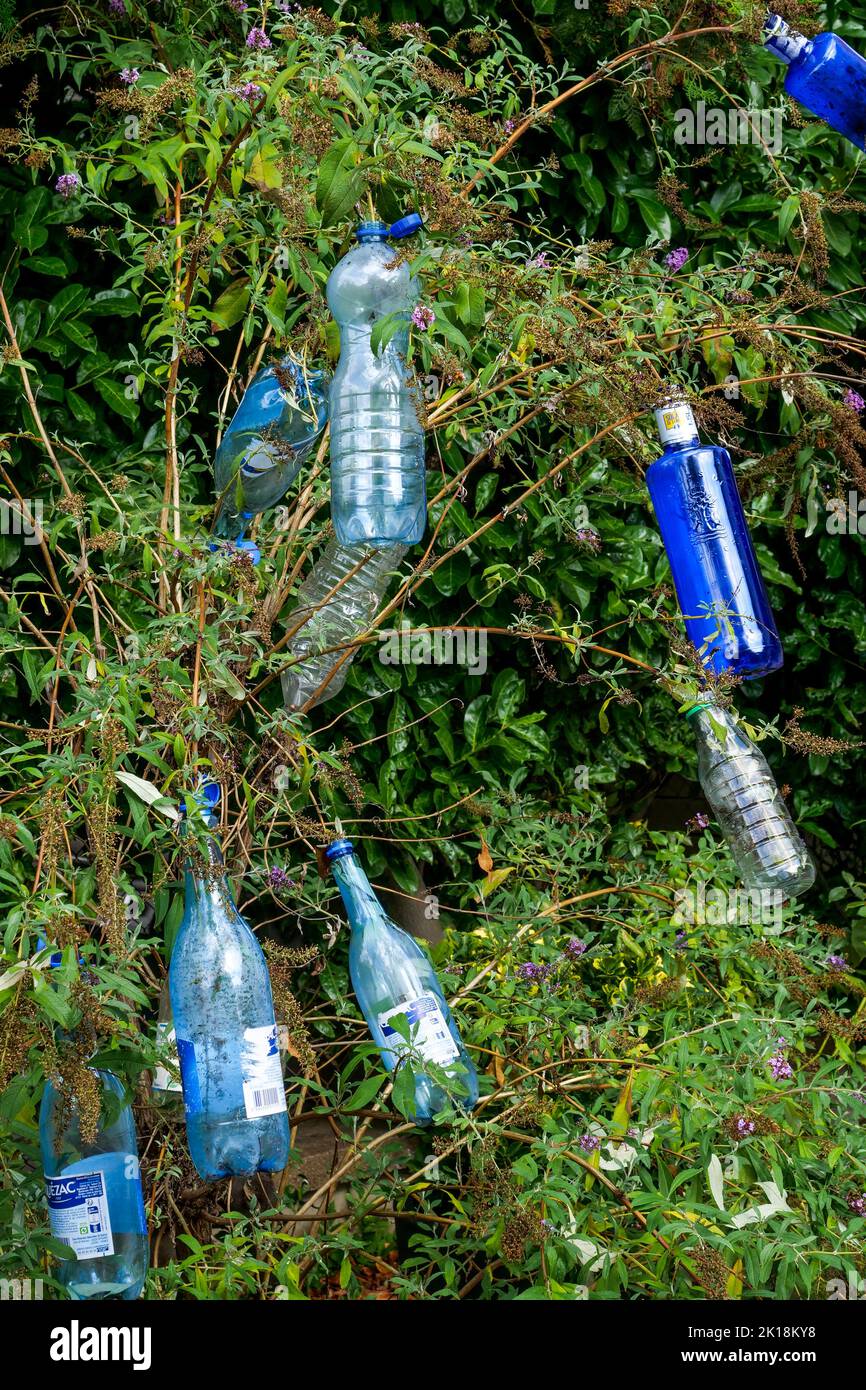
(271, 1095)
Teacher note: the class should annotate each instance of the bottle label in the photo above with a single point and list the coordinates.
(262, 1072)
(189, 1076)
(163, 1079)
(676, 424)
(78, 1213)
(428, 1030)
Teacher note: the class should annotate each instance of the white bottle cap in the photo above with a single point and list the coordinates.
(676, 423)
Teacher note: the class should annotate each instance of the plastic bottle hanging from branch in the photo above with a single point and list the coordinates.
(336, 602)
(715, 571)
(378, 490)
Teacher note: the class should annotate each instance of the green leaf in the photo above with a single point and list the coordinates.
(28, 228)
(339, 183)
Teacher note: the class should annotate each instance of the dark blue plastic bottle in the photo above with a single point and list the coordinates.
(719, 586)
(825, 75)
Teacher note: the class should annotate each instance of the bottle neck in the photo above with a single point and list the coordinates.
(782, 40)
(676, 425)
(206, 877)
(362, 905)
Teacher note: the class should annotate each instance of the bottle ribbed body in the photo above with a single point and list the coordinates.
(378, 489)
(226, 1034)
(279, 420)
(399, 993)
(94, 1193)
(764, 842)
(334, 615)
(719, 585)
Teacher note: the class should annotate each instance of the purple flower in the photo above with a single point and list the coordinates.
(699, 821)
(509, 126)
(249, 91)
(780, 1067)
(745, 1126)
(257, 38)
(238, 6)
(530, 971)
(67, 184)
(837, 962)
(278, 878)
(851, 398)
(130, 76)
(681, 941)
(574, 949)
(675, 260)
(589, 1143)
(857, 1203)
(116, 7)
(539, 262)
(422, 317)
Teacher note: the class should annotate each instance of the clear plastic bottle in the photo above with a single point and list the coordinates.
(278, 422)
(165, 1083)
(235, 1101)
(336, 615)
(397, 987)
(95, 1201)
(719, 586)
(739, 786)
(825, 75)
(378, 489)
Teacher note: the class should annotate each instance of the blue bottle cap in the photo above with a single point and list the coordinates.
(207, 797)
(250, 548)
(372, 231)
(338, 849)
(408, 225)
(56, 956)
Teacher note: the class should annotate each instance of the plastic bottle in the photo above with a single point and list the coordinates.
(336, 615)
(378, 490)
(719, 585)
(397, 987)
(95, 1202)
(739, 786)
(165, 1083)
(233, 1091)
(278, 422)
(825, 75)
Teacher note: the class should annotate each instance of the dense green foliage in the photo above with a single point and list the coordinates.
(631, 1124)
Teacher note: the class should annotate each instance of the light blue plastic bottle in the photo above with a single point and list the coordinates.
(378, 490)
(825, 74)
(226, 1032)
(95, 1202)
(278, 422)
(393, 979)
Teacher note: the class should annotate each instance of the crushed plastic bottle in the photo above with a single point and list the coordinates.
(739, 786)
(719, 585)
(825, 74)
(279, 421)
(338, 612)
(378, 489)
(400, 996)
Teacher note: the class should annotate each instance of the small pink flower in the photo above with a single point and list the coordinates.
(257, 38)
(855, 401)
(422, 317)
(675, 260)
(129, 76)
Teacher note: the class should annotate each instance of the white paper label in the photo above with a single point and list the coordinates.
(676, 424)
(78, 1213)
(428, 1031)
(264, 1093)
(163, 1079)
